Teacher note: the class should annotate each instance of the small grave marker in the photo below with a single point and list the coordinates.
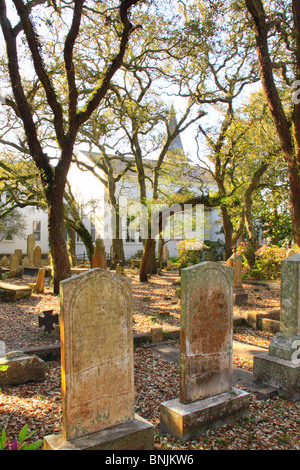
(48, 320)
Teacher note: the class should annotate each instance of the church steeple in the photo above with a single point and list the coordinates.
(177, 143)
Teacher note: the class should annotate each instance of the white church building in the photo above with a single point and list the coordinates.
(92, 198)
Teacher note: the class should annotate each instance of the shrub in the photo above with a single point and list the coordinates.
(267, 261)
(186, 253)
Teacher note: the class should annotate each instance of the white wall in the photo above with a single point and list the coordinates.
(31, 215)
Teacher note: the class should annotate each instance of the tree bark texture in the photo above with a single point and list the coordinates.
(289, 135)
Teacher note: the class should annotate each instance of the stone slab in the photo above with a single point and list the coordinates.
(135, 435)
(278, 373)
(185, 421)
(11, 292)
(19, 369)
(271, 326)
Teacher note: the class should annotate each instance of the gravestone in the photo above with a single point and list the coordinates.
(47, 320)
(4, 261)
(280, 366)
(30, 246)
(240, 297)
(290, 252)
(14, 266)
(206, 396)
(18, 252)
(169, 265)
(165, 253)
(156, 335)
(99, 256)
(97, 366)
(39, 284)
(37, 256)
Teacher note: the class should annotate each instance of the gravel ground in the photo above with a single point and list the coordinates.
(272, 424)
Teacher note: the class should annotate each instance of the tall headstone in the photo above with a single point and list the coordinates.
(240, 297)
(99, 256)
(30, 246)
(37, 256)
(4, 261)
(97, 366)
(165, 253)
(206, 395)
(39, 285)
(18, 252)
(14, 266)
(280, 367)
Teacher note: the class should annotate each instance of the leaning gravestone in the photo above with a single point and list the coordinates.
(206, 396)
(280, 367)
(97, 366)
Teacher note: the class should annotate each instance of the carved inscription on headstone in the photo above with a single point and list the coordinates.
(97, 352)
(206, 331)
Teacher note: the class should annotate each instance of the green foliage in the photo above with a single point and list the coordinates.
(188, 255)
(19, 443)
(267, 262)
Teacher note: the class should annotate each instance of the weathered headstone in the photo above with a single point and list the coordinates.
(30, 246)
(14, 266)
(165, 253)
(18, 252)
(26, 262)
(206, 395)
(280, 367)
(39, 284)
(37, 256)
(4, 261)
(156, 335)
(97, 366)
(169, 265)
(290, 252)
(240, 297)
(99, 256)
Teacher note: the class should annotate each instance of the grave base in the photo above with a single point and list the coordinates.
(278, 373)
(134, 435)
(184, 421)
(240, 297)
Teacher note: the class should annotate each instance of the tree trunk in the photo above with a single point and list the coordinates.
(290, 142)
(145, 261)
(57, 240)
(228, 231)
(117, 252)
(72, 245)
(152, 261)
